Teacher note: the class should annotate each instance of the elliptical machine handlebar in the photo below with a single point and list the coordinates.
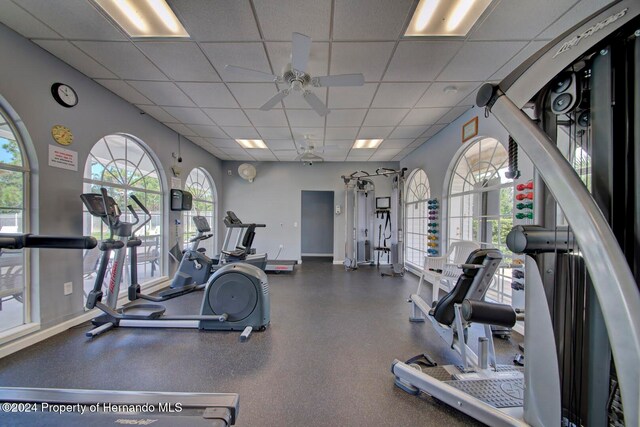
(133, 212)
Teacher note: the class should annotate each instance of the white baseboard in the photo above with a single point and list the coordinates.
(24, 342)
(318, 255)
(338, 261)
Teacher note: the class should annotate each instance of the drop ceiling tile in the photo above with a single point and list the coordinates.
(263, 155)
(419, 61)
(237, 150)
(453, 114)
(279, 18)
(124, 91)
(385, 154)
(181, 129)
(375, 132)
(280, 144)
(347, 117)
(253, 95)
(217, 20)
(476, 61)
(180, 60)
(208, 131)
(398, 95)
(385, 116)
(280, 56)
(304, 118)
(189, 116)
(123, 59)
(241, 132)
(295, 99)
(198, 140)
(395, 143)
(76, 58)
(436, 96)
(267, 118)
(335, 158)
(369, 58)
(406, 132)
(227, 117)
(274, 133)
(342, 133)
(574, 15)
(424, 116)
(214, 95)
(73, 20)
(313, 133)
(514, 62)
(526, 19)
(370, 19)
(360, 154)
(286, 155)
(162, 93)
(248, 55)
(432, 131)
(352, 97)
(223, 142)
(157, 113)
(24, 23)
(337, 146)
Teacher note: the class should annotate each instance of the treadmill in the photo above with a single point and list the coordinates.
(30, 407)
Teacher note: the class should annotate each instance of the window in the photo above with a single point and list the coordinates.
(480, 205)
(14, 175)
(200, 185)
(121, 165)
(416, 214)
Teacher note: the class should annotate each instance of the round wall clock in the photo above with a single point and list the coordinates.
(64, 95)
(62, 134)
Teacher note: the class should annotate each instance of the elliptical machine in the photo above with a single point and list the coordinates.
(235, 297)
(196, 267)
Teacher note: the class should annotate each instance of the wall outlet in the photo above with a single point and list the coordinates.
(68, 288)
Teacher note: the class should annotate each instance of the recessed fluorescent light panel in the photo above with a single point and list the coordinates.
(144, 18)
(367, 143)
(252, 143)
(445, 17)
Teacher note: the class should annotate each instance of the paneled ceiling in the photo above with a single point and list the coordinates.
(184, 85)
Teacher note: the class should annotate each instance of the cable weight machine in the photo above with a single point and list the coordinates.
(360, 206)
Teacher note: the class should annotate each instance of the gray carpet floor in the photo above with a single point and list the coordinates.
(324, 360)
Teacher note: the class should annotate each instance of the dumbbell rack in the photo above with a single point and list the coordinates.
(432, 227)
(524, 200)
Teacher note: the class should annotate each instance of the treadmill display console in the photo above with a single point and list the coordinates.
(201, 223)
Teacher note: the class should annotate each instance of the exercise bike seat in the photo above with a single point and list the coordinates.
(472, 284)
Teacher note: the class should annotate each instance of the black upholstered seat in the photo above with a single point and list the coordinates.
(472, 284)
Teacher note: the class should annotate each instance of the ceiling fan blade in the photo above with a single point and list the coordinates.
(248, 72)
(274, 100)
(339, 80)
(300, 50)
(315, 103)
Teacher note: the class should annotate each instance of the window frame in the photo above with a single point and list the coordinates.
(422, 219)
(187, 215)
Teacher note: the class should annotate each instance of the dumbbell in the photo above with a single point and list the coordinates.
(432, 237)
(433, 212)
(432, 231)
(523, 196)
(527, 186)
(432, 224)
(517, 286)
(432, 251)
(523, 215)
(524, 206)
(432, 217)
(432, 245)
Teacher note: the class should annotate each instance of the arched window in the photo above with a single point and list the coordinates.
(124, 167)
(480, 204)
(416, 214)
(200, 184)
(14, 184)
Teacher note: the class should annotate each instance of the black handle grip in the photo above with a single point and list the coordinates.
(139, 203)
(19, 241)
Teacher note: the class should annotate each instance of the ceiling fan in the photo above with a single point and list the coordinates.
(309, 155)
(296, 76)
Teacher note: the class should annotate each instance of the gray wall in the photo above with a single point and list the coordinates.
(317, 222)
(274, 198)
(26, 75)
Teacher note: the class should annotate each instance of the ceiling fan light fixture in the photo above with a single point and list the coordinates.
(367, 143)
(445, 18)
(252, 143)
(144, 19)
